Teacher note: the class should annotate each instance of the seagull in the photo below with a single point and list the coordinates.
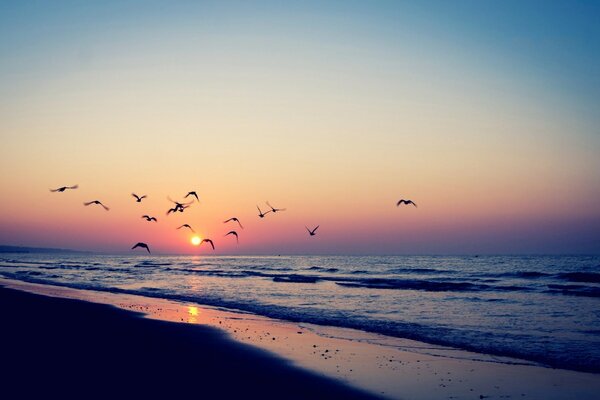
(138, 198)
(261, 214)
(178, 206)
(208, 241)
(143, 245)
(234, 233)
(96, 202)
(62, 189)
(186, 226)
(312, 233)
(402, 201)
(149, 218)
(275, 209)
(192, 194)
(236, 220)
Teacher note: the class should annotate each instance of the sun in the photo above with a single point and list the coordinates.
(195, 240)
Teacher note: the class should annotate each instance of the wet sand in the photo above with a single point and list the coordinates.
(56, 348)
(391, 367)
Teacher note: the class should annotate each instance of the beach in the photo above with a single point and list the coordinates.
(68, 340)
(69, 348)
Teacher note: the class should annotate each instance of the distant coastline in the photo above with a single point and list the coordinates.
(24, 249)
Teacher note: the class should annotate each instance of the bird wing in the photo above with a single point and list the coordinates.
(226, 221)
(314, 230)
(54, 190)
(272, 208)
(73, 187)
(143, 197)
(106, 208)
(135, 195)
(413, 203)
(259, 209)
(88, 203)
(239, 223)
(307, 229)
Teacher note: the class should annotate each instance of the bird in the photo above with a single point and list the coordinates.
(138, 198)
(178, 206)
(192, 194)
(143, 245)
(312, 233)
(234, 233)
(402, 201)
(186, 226)
(149, 218)
(236, 220)
(62, 189)
(208, 241)
(96, 202)
(275, 209)
(261, 214)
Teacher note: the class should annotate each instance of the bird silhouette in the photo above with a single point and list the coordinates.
(186, 226)
(149, 218)
(234, 233)
(178, 206)
(208, 241)
(143, 245)
(192, 194)
(261, 214)
(275, 209)
(402, 201)
(62, 189)
(236, 220)
(312, 233)
(96, 202)
(138, 198)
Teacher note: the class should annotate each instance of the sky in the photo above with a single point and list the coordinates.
(483, 113)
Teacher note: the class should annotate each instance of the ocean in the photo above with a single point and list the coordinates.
(539, 308)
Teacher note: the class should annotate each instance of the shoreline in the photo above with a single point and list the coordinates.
(63, 347)
(392, 367)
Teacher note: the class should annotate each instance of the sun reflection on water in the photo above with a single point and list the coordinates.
(193, 313)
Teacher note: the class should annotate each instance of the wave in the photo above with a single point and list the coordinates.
(574, 290)
(590, 277)
(431, 286)
(404, 270)
(323, 269)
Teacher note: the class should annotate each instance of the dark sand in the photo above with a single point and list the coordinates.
(56, 348)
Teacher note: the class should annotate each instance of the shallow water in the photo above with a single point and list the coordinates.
(541, 308)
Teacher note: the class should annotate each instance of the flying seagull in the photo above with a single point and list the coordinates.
(62, 189)
(143, 245)
(186, 226)
(275, 209)
(208, 241)
(96, 202)
(178, 206)
(234, 233)
(261, 214)
(236, 220)
(402, 201)
(192, 194)
(312, 233)
(138, 198)
(149, 218)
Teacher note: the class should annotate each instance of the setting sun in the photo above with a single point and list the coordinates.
(196, 240)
